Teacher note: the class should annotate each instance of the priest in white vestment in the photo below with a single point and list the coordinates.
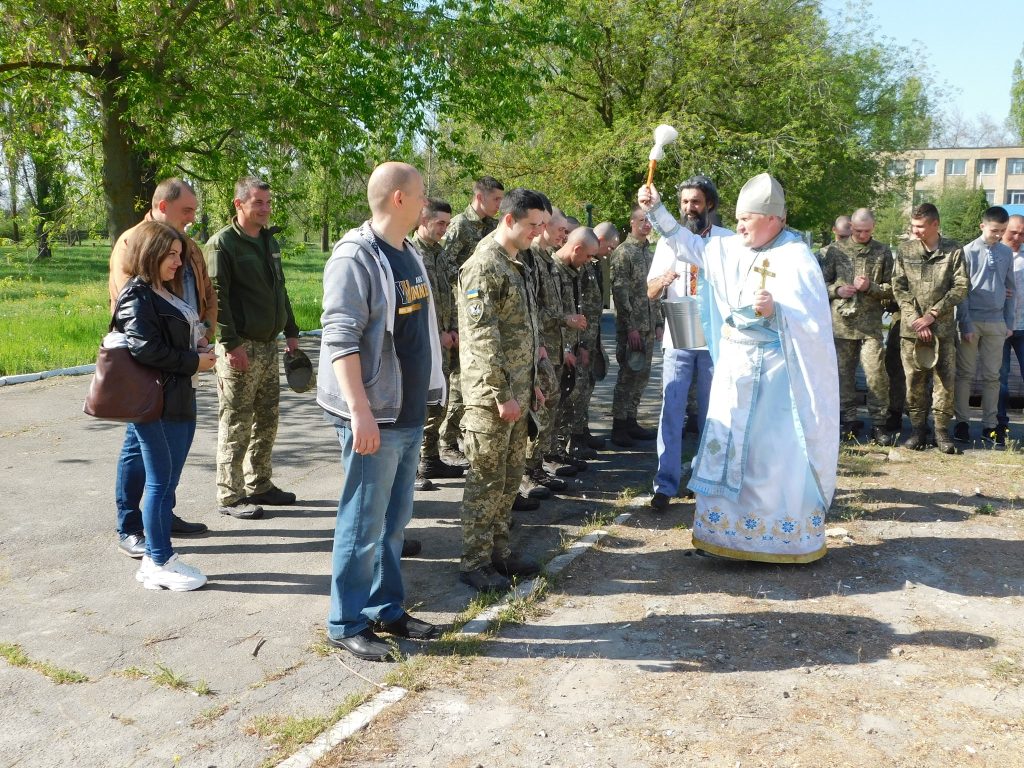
(765, 472)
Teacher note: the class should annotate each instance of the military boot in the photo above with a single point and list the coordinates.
(597, 443)
(620, 434)
(943, 440)
(639, 433)
(918, 439)
(579, 449)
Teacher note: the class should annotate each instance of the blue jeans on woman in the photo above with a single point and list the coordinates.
(374, 508)
(1016, 343)
(128, 485)
(165, 445)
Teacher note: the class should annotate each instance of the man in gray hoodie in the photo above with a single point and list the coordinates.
(984, 321)
(375, 383)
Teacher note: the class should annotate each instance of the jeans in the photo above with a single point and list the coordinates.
(164, 445)
(1016, 343)
(374, 508)
(128, 485)
(679, 368)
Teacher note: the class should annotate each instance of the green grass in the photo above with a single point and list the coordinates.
(54, 313)
(165, 677)
(16, 657)
(288, 733)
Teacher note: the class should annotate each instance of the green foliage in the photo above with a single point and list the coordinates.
(961, 209)
(15, 656)
(54, 313)
(751, 86)
(1016, 119)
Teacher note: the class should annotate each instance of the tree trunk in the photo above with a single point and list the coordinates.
(129, 175)
(49, 198)
(325, 226)
(12, 182)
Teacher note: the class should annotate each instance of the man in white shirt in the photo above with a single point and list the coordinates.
(671, 279)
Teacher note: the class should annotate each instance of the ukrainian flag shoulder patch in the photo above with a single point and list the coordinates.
(472, 293)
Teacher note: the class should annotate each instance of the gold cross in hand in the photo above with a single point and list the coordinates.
(765, 274)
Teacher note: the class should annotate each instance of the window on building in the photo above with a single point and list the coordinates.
(1015, 197)
(985, 167)
(956, 167)
(897, 167)
(1015, 165)
(925, 167)
(990, 195)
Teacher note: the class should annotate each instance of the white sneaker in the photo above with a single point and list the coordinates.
(175, 575)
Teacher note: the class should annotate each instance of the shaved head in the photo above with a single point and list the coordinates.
(582, 236)
(386, 179)
(863, 215)
(608, 235)
(580, 247)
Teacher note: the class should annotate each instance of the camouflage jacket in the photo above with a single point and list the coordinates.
(591, 303)
(547, 292)
(498, 332)
(860, 316)
(440, 283)
(631, 262)
(464, 233)
(568, 278)
(921, 282)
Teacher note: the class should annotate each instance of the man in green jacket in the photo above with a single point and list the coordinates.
(244, 262)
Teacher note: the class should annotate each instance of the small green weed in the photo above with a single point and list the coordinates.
(986, 509)
(16, 657)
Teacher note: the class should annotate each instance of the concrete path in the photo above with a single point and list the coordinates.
(254, 634)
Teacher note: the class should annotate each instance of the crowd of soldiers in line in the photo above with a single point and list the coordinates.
(955, 316)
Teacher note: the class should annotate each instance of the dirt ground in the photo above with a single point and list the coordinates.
(902, 647)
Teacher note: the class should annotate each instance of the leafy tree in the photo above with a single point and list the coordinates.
(751, 86)
(212, 89)
(961, 209)
(1016, 120)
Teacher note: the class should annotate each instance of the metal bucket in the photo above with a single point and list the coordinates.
(682, 318)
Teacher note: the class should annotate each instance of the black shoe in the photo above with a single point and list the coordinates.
(485, 579)
(579, 449)
(243, 510)
(133, 545)
(894, 423)
(564, 459)
(365, 645)
(537, 479)
(273, 497)
(917, 441)
(422, 484)
(597, 443)
(434, 468)
(880, 436)
(411, 548)
(559, 469)
(453, 457)
(659, 502)
(639, 433)
(620, 434)
(409, 627)
(516, 565)
(1000, 436)
(181, 527)
(524, 504)
(945, 445)
(962, 432)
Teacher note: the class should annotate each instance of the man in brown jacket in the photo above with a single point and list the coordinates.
(174, 203)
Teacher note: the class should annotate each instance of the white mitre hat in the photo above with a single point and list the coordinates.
(762, 194)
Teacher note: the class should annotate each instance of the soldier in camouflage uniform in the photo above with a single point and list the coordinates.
(464, 233)
(547, 299)
(858, 275)
(638, 324)
(244, 262)
(929, 280)
(580, 249)
(499, 353)
(433, 223)
(574, 423)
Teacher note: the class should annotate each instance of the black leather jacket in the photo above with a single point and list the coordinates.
(160, 337)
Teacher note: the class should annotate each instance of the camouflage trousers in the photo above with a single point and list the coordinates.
(248, 412)
(985, 354)
(870, 354)
(630, 384)
(451, 427)
(435, 416)
(496, 451)
(547, 430)
(894, 370)
(942, 378)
